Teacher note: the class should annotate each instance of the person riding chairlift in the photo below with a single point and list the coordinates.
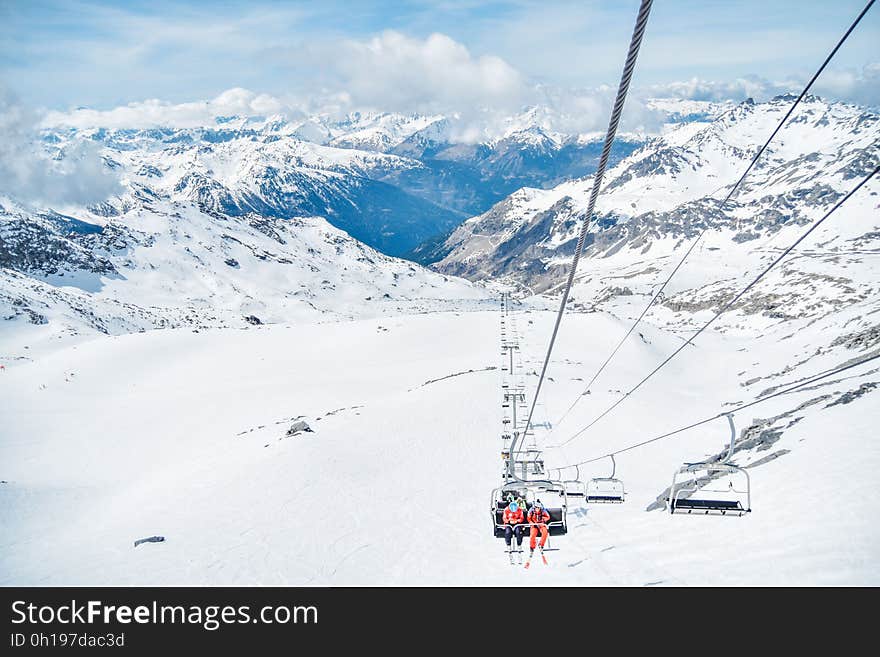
(513, 520)
(538, 519)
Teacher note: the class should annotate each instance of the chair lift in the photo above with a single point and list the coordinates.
(575, 487)
(606, 490)
(681, 500)
(535, 459)
(530, 463)
(554, 499)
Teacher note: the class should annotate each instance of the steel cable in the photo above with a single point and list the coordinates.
(730, 194)
(626, 77)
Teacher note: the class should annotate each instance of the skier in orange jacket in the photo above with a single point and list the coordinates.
(538, 519)
(513, 520)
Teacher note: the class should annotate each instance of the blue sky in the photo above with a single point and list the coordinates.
(103, 54)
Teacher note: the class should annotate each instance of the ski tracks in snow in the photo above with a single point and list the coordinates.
(616, 559)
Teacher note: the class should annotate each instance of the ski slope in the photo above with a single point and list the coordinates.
(182, 434)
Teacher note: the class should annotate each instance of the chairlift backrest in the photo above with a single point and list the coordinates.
(693, 494)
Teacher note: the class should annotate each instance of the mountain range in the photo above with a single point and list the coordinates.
(391, 181)
(660, 198)
(247, 221)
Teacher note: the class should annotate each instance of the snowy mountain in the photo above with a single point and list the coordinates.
(668, 191)
(243, 167)
(225, 224)
(165, 264)
(392, 181)
(378, 132)
(471, 177)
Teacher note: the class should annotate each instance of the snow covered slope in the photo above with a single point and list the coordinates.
(164, 265)
(392, 485)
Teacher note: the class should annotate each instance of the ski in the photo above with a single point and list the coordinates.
(518, 552)
(532, 553)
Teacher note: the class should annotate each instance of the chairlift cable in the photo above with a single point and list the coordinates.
(626, 77)
(789, 389)
(728, 305)
(730, 194)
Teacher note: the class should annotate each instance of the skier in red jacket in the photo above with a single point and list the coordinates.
(513, 520)
(538, 519)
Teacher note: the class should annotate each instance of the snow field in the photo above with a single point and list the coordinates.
(182, 434)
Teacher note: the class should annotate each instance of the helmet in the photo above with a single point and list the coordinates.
(513, 507)
(538, 504)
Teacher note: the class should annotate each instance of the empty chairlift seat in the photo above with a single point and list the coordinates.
(606, 490)
(710, 487)
(528, 464)
(689, 505)
(573, 486)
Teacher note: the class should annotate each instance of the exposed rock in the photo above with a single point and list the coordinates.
(852, 395)
(866, 339)
(298, 427)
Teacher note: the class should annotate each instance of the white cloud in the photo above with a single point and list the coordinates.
(709, 90)
(27, 173)
(857, 86)
(578, 111)
(390, 72)
(155, 113)
(849, 85)
(395, 72)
